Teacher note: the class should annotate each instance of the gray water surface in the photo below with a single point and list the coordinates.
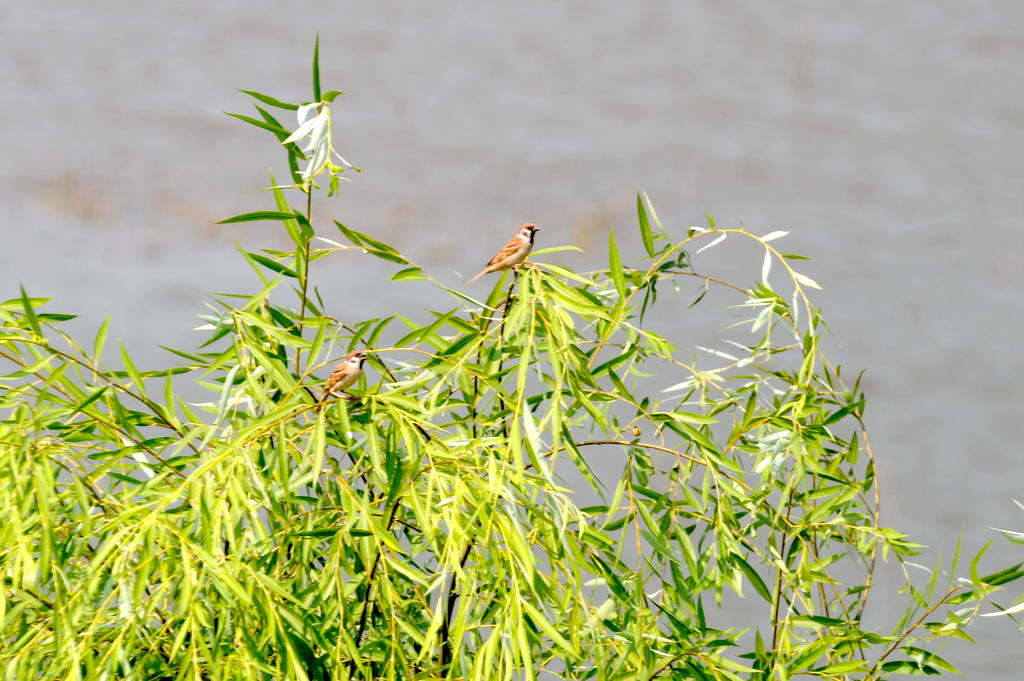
(888, 137)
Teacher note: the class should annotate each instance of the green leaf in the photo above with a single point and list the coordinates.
(327, 532)
(910, 668)
(689, 432)
(276, 124)
(100, 340)
(365, 240)
(544, 625)
(330, 95)
(1005, 576)
(818, 619)
(842, 667)
(922, 656)
(615, 262)
(181, 353)
(316, 70)
(408, 274)
(752, 576)
(693, 418)
(372, 246)
(975, 577)
(30, 313)
(270, 101)
(152, 373)
(613, 362)
(89, 400)
(129, 367)
(273, 265)
(350, 234)
(298, 228)
(452, 349)
(645, 226)
(265, 215)
(557, 249)
(276, 129)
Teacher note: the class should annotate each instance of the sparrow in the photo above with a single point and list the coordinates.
(513, 253)
(346, 373)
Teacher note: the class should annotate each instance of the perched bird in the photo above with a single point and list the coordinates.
(513, 253)
(346, 373)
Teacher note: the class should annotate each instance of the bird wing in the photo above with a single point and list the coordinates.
(507, 251)
(339, 375)
(510, 249)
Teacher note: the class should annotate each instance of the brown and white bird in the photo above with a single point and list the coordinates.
(346, 373)
(513, 253)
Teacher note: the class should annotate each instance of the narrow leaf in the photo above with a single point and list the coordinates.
(276, 129)
(805, 280)
(89, 400)
(263, 215)
(645, 226)
(715, 242)
(771, 236)
(100, 340)
(270, 101)
(273, 265)
(615, 263)
(30, 313)
(755, 579)
(408, 274)
(316, 69)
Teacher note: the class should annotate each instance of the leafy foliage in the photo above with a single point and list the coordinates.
(427, 527)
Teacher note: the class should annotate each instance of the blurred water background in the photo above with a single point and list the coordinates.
(888, 137)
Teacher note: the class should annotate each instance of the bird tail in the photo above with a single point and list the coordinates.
(482, 273)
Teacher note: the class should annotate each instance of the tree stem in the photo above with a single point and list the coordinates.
(304, 280)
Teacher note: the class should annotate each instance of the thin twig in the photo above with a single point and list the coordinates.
(446, 646)
(452, 595)
(113, 384)
(96, 417)
(906, 632)
(305, 279)
(501, 339)
(777, 596)
(369, 585)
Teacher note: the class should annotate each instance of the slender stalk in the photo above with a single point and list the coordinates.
(906, 632)
(508, 301)
(446, 644)
(657, 672)
(501, 338)
(480, 350)
(304, 280)
(476, 385)
(110, 424)
(367, 597)
(452, 594)
(777, 596)
(153, 407)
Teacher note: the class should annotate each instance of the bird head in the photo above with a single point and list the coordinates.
(528, 230)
